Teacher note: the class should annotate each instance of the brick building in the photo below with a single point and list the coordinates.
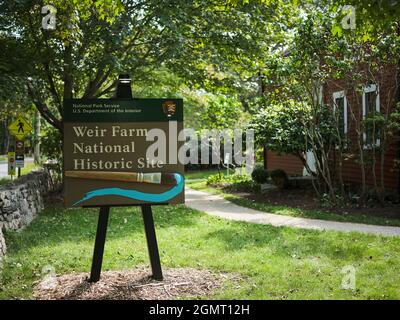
(380, 95)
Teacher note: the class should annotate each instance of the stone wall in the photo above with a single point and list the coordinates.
(21, 201)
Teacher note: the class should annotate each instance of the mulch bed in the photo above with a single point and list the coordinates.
(132, 285)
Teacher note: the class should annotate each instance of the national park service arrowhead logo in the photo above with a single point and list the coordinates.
(169, 108)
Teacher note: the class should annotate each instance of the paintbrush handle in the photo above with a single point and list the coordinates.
(116, 176)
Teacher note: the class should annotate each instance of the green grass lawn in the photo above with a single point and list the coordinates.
(202, 174)
(29, 166)
(4, 181)
(276, 263)
(294, 212)
(27, 169)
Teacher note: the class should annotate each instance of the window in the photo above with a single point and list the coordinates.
(371, 104)
(340, 109)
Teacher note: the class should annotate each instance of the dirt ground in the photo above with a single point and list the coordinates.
(305, 199)
(132, 285)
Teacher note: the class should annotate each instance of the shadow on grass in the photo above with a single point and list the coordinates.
(282, 241)
(56, 225)
(64, 239)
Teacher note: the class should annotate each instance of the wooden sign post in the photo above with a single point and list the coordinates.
(112, 158)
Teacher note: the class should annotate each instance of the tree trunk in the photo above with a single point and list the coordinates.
(36, 148)
(398, 101)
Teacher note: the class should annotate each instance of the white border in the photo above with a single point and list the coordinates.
(367, 89)
(337, 95)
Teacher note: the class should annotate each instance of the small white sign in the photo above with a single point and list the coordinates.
(19, 163)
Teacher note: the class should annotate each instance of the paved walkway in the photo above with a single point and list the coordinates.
(217, 206)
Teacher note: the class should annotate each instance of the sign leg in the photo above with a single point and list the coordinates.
(99, 244)
(152, 242)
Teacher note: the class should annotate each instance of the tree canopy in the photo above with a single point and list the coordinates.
(206, 43)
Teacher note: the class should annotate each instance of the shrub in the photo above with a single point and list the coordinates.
(214, 179)
(280, 178)
(218, 178)
(51, 148)
(259, 175)
(234, 182)
(244, 186)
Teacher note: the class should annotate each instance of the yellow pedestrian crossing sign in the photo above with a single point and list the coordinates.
(20, 128)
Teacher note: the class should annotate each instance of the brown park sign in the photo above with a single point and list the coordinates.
(115, 152)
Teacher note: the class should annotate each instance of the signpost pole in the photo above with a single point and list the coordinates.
(99, 244)
(152, 242)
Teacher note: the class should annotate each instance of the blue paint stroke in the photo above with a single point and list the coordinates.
(137, 195)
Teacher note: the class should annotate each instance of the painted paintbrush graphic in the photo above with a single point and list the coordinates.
(175, 180)
(138, 177)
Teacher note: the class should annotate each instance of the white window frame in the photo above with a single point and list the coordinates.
(368, 89)
(338, 95)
